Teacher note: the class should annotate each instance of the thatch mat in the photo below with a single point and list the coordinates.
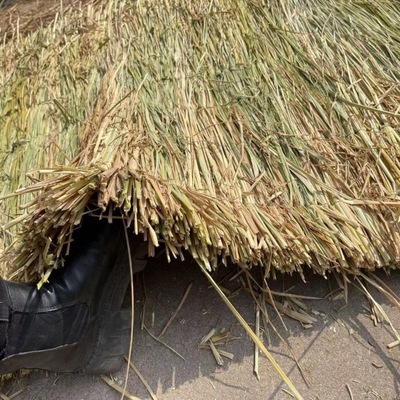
(340, 349)
(264, 132)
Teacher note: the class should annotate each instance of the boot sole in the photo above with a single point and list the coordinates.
(111, 346)
(106, 358)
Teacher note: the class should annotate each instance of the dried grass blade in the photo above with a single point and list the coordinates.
(140, 376)
(118, 388)
(163, 343)
(173, 316)
(252, 335)
(256, 348)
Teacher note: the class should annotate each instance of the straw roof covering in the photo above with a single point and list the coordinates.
(264, 132)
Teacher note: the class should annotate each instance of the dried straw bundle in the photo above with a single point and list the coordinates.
(267, 132)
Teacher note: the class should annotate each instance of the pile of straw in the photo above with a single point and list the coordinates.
(266, 132)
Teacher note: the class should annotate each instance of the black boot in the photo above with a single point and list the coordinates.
(74, 323)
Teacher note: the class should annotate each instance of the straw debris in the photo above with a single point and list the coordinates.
(213, 341)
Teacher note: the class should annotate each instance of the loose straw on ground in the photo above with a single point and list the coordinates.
(219, 135)
(173, 316)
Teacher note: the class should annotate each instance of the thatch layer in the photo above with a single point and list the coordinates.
(267, 132)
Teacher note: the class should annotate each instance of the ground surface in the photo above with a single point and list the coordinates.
(343, 355)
